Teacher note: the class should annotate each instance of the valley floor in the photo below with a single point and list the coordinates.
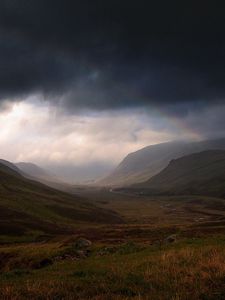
(165, 248)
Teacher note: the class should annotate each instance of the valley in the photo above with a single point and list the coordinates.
(126, 258)
(161, 239)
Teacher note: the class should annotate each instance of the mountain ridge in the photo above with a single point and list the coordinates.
(36, 172)
(143, 164)
(197, 173)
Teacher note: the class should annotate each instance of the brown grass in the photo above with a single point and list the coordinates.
(179, 272)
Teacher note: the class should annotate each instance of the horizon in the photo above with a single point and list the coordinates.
(67, 178)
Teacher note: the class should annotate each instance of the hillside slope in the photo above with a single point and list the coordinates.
(27, 206)
(11, 166)
(198, 173)
(147, 162)
(35, 172)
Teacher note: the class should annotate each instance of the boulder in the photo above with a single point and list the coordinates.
(82, 243)
(171, 239)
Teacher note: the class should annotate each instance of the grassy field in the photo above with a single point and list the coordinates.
(132, 259)
(188, 269)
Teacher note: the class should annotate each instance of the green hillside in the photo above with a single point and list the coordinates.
(27, 206)
(198, 173)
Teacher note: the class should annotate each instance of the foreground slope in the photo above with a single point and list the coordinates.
(190, 269)
(27, 206)
(147, 162)
(198, 173)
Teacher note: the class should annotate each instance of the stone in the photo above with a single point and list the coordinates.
(82, 243)
(171, 239)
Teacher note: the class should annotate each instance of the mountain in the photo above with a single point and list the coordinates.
(29, 207)
(200, 173)
(34, 172)
(141, 165)
(37, 173)
(10, 165)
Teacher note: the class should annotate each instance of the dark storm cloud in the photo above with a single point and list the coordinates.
(113, 54)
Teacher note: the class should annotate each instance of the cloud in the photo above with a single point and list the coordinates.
(89, 145)
(83, 83)
(42, 136)
(37, 132)
(102, 55)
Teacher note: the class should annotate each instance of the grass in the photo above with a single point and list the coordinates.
(28, 207)
(129, 257)
(190, 269)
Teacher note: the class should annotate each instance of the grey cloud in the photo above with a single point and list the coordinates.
(111, 54)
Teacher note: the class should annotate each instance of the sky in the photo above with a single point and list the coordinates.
(83, 83)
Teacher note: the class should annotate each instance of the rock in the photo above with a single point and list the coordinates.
(171, 239)
(82, 243)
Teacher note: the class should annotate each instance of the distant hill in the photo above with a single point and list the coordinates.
(10, 165)
(27, 206)
(200, 173)
(141, 165)
(35, 172)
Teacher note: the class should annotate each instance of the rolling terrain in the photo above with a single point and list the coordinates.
(125, 261)
(131, 236)
(143, 164)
